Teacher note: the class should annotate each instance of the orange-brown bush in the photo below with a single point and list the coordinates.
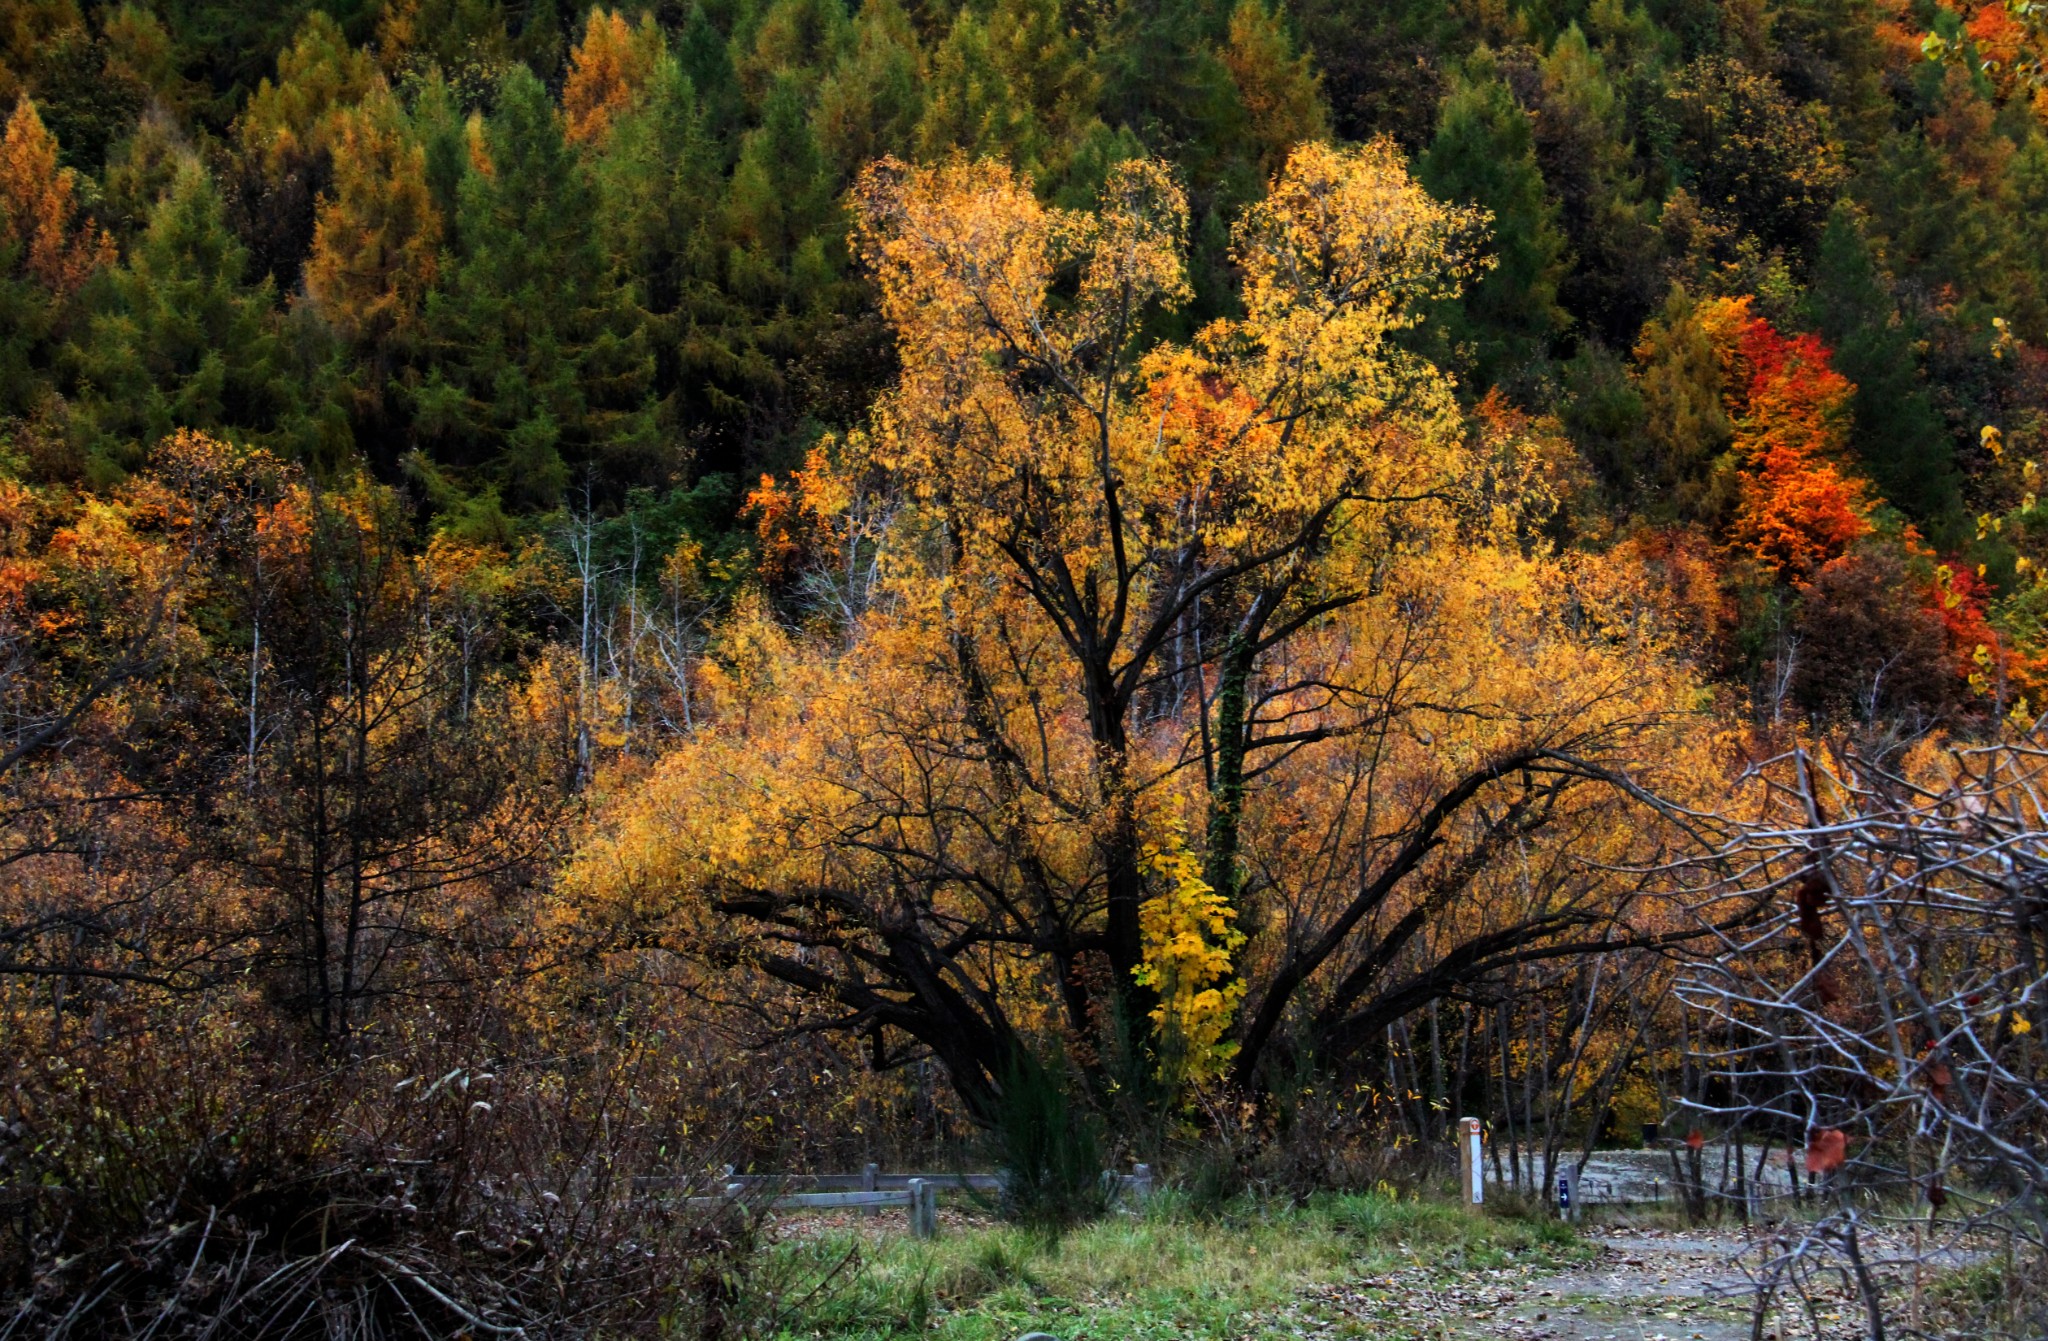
(213, 1179)
(283, 1051)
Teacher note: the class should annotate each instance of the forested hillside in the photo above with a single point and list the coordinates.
(1776, 274)
(599, 593)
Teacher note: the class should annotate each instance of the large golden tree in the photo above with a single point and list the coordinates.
(1188, 689)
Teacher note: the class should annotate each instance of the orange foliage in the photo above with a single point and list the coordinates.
(38, 207)
(1797, 508)
(1997, 34)
(1898, 34)
(792, 521)
(2009, 52)
(1678, 565)
(1797, 515)
(375, 238)
(606, 72)
(1983, 656)
(1826, 1150)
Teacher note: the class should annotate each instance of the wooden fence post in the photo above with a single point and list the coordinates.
(868, 1178)
(924, 1209)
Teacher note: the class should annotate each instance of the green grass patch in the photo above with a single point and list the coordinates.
(1169, 1275)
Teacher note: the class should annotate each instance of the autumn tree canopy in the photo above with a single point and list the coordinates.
(1123, 619)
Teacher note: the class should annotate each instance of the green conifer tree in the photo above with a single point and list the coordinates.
(180, 341)
(1583, 146)
(1898, 436)
(1484, 154)
(1686, 475)
(706, 58)
(1034, 44)
(1163, 77)
(1281, 94)
(537, 361)
(799, 40)
(781, 194)
(659, 183)
(971, 106)
(869, 106)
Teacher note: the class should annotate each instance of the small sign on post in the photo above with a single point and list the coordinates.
(1471, 1168)
(1568, 1192)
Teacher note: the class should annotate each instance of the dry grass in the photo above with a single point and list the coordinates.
(1166, 1274)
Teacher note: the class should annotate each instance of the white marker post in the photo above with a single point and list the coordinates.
(1471, 1169)
(1568, 1192)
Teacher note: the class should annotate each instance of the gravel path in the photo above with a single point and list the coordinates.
(1643, 1284)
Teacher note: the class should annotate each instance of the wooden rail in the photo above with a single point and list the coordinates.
(918, 1197)
(871, 1190)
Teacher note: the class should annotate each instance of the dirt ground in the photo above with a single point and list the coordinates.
(1644, 1284)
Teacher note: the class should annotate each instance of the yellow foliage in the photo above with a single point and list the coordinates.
(924, 821)
(318, 76)
(1190, 934)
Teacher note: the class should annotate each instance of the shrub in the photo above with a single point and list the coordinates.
(1050, 1147)
(203, 1182)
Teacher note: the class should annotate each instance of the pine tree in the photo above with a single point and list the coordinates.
(659, 183)
(181, 341)
(1282, 95)
(780, 195)
(284, 139)
(971, 107)
(788, 337)
(1687, 476)
(292, 118)
(607, 70)
(1484, 154)
(466, 39)
(1384, 62)
(41, 231)
(47, 250)
(795, 40)
(706, 58)
(443, 135)
(537, 361)
(1898, 437)
(658, 179)
(1587, 159)
(142, 54)
(543, 40)
(49, 52)
(868, 108)
(377, 237)
(1035, 46)
(140, 173)
(1163, 78)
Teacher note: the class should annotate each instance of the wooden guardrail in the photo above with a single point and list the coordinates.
(871, 1190)
(918, 1197)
